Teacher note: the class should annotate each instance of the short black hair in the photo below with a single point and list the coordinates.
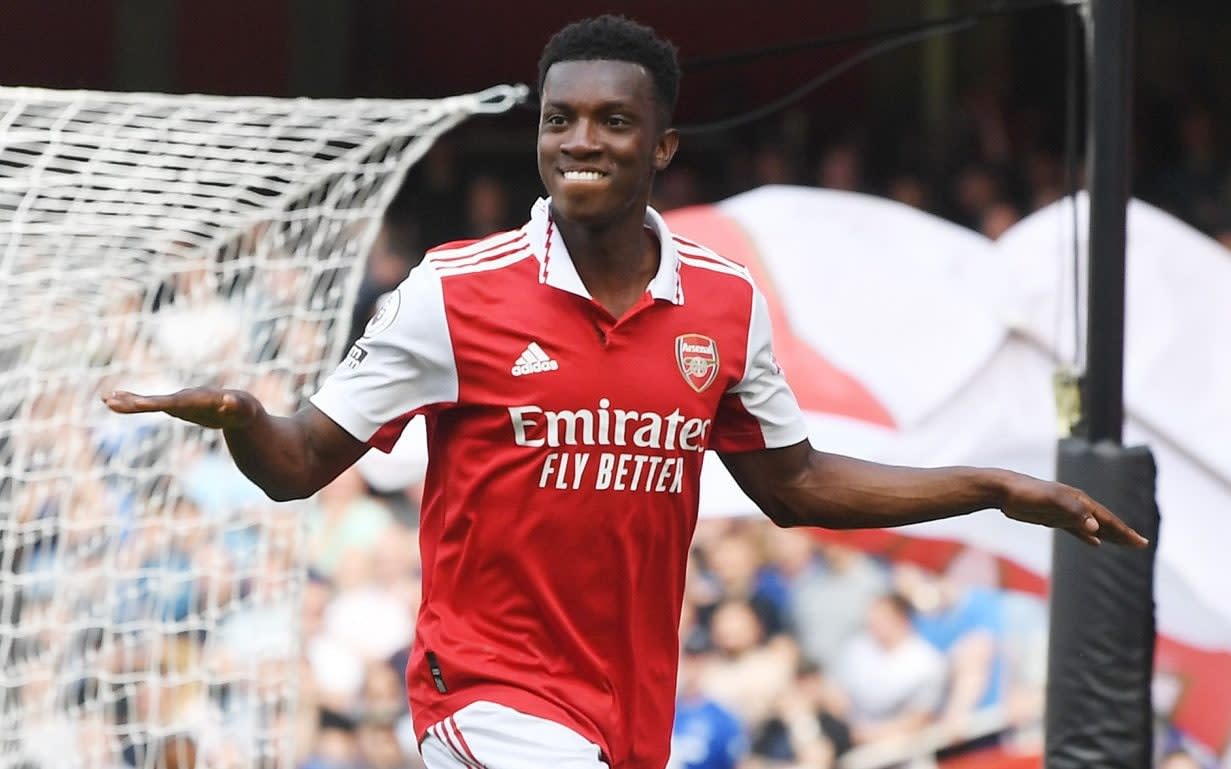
(617, 38)
(901, 605)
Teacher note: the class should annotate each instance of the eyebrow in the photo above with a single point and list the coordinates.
(613, 104)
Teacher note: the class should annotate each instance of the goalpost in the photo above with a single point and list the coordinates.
(149, 600)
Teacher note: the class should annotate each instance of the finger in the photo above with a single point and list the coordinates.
(1116, 530)
(124, 402)
(1083, 523)
(1085, 536)
(176, 403)
(1078, 506)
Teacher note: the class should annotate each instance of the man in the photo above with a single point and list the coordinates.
(805, 729)
(572, 374)
(966, 624)
(893, 678)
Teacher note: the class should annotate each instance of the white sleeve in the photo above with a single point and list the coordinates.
(763, 392)
(401, 365)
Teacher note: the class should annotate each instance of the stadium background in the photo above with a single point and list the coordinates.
(967, 126)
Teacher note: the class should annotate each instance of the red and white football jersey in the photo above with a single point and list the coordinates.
(565, 449)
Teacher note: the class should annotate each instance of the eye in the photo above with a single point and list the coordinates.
(553, 120)
(618, 121)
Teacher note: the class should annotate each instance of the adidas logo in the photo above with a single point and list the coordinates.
(533, 361)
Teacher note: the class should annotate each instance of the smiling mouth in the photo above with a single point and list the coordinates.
(582, 176)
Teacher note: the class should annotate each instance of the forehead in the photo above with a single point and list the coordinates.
(597, 81)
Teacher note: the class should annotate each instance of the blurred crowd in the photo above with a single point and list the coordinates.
(796, 651)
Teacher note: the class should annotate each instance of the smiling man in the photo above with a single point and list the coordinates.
(573, 373)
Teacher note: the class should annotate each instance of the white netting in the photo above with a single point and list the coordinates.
(149, 599)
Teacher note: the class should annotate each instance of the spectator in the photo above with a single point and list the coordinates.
(262, 626)
(1194, 185)
(1044, 179)
(383, 697)
(841, 168)
(436, 194)
(676, 187)
(770, 165)
(911, 190)
(487, 206)
(745, 675)
(176, 752)
(200, 327)
(735, 566)
(804, 730)
(1222, 229)
(997, 218)
(372, 619)
(345, 519)
(336, 745)
(705, 734)
(1025, 652)
(975, 189)
(379, 748)
(830, 598)
(94, 747)
(893, 678)
(393, 254)
(337, 672)
(966, 624)
(1179, 759)
(693, 632)
(395, 566)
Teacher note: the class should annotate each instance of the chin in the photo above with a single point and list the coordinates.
(583, 210)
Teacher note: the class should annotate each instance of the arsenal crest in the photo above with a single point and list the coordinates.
(697, 357)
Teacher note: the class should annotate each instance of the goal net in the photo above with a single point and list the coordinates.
(149, 599)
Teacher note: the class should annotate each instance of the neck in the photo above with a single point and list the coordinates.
(616, 261)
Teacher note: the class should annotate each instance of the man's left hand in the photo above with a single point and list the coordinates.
(1063, 507)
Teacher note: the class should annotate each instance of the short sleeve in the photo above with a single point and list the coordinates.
(760, 411)
(401, 366)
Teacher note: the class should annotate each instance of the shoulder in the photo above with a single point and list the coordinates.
(981, 608)
(923, 654)
(470, 257)
(695, 256)
(857, 650)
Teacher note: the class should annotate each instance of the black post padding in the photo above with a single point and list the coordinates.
(1110, 35)
(1101, 646)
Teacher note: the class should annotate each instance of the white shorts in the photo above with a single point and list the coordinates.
(485, 735)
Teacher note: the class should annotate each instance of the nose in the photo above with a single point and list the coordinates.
(581, 140)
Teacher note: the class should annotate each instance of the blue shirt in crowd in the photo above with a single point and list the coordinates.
(977, 609)
(706, 736)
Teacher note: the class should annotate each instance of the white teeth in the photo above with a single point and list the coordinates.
(588, 176)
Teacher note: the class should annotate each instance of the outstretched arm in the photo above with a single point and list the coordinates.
(798, 486)
(287, 457)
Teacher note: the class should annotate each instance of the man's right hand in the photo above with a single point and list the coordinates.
(211, 407)
(288, 457)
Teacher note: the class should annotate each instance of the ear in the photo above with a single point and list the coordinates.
(664, 150)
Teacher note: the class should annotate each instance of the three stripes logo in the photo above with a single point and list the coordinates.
(533, 360)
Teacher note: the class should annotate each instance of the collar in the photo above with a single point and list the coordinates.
(556, 266)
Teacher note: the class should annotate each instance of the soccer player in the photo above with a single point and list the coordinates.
(573, 373)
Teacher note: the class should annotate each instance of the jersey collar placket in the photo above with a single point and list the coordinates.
(556, 268)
